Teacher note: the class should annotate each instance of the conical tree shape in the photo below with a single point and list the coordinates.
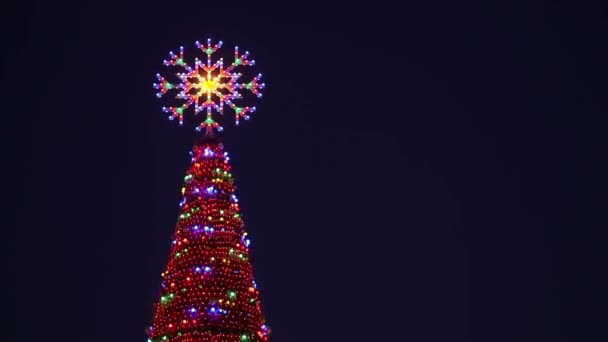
(208, 292)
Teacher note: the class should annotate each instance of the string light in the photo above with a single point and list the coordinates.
(208, 292)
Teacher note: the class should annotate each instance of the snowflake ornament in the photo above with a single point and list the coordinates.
(209, 87)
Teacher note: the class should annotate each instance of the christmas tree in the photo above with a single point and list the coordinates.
(208, 292)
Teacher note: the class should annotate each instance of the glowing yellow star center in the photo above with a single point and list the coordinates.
(208, 84)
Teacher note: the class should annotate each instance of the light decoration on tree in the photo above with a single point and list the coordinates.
(208, 87)
(208, 293)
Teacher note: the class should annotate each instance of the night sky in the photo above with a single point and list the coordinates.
(429, 172)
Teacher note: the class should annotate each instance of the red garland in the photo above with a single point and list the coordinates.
(207, 291)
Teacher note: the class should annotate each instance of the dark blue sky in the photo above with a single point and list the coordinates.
(427, 172)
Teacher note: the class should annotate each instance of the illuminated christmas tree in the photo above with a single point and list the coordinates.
(208, 292)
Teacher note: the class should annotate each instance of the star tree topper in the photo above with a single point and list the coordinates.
(209, 87)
